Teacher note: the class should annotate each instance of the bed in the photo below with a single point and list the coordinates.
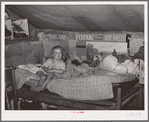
(60, 93)
(124, 88)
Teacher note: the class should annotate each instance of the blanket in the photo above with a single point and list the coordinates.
(22, 76)
(83, 88)
(73, 71)
(27, 72)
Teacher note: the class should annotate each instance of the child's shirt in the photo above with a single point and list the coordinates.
(51, 64)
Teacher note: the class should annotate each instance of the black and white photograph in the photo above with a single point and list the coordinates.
(20, 28)
(74, 60)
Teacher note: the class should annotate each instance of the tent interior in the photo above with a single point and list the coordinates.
(81, 17)
(72, 27)
(71, 20)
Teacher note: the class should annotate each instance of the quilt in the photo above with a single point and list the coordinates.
(95, 86)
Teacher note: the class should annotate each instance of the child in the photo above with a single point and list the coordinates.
(54, 66)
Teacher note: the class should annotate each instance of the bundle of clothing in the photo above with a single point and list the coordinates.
(91, 63)
(73, 71)
(121, 64)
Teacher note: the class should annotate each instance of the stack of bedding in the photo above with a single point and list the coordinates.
(84, 87)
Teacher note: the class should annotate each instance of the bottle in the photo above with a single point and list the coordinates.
(114, 53)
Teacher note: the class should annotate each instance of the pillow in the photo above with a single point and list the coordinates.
(111, 63)
(131, 66)
(120, 69)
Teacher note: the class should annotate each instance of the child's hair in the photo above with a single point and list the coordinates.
(64, 54)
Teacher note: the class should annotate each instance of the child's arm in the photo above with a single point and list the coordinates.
(48, 65)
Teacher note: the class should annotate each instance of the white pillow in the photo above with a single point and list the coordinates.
(131, 66)
(121, 69)
(111, 63)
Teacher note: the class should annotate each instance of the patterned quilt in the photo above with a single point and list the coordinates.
(83, 88)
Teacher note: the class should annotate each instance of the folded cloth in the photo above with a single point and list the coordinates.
(73, 71)
(70, 72)
(84, 68)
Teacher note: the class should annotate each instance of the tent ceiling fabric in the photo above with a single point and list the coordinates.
(83, 17)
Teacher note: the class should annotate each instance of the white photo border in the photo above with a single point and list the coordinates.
(69, 115)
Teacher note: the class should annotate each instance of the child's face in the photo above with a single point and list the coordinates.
(57, 54)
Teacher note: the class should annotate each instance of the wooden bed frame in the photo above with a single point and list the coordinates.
(124, 93)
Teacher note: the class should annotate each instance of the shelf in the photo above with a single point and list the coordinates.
(11, 41)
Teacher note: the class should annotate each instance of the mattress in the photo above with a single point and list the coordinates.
(95, 86)
(115, 78)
